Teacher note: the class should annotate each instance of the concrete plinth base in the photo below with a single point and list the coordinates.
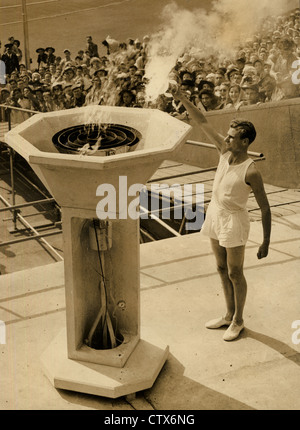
(139, 372)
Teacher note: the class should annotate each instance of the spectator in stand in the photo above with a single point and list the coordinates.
(240, 63)
(86, 58)
(251, 94)
(234, 97)
(249, 75)
(208, 99)
(10, 59)
(78, 96)
(140, 100)
(259, 67)
(94, 95)
(50, 55)
(199, 76)
(137, 83)
(206, 85)
(12, 84)
(35, 81)
(30, 99)
(58, 61)
(234, 75)
(122, 81)
(49, 105)
(91, 47)
(58, 97)
(95, 64)
(20, 84)
(223, 100)
(22, 69)
(85, 82)
(126, 98)
(4, 96)
(42, 57)
(15, 97)
(38, 93)
(17, 50)
(269, 90)
(47, 81)
(219, 77)
(68, 77)
(68, 94)
(67, 61)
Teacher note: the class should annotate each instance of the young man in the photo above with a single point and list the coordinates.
(227, 221)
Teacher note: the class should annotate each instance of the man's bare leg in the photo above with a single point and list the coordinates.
(222, 268)
(235, 263)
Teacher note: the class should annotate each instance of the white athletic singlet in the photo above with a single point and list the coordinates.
(227, 218)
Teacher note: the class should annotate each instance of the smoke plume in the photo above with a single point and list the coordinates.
(217, 32)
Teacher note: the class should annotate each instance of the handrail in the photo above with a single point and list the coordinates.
(19, 109)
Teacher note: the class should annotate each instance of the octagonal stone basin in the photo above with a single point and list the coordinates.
(73, 179)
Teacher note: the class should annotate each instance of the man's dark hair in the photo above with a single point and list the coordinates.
(247, 129)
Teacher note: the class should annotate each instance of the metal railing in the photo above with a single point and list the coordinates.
(16, 208)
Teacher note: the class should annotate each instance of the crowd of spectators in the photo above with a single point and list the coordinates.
(261, 71)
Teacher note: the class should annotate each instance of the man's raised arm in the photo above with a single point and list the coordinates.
(197, 115)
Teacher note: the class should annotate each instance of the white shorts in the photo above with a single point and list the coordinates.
(231, 229)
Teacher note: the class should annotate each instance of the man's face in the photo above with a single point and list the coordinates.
(17, 94)
(233, 141)
(219, 78)
(235, 78)
(206, 100)
(251, 95)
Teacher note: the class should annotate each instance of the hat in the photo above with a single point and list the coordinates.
(17, 42)
(203, 82)
(67, 69)
(101, 70)
(8, 45)
(122, 76)
(50, 47)
(95, 60)
(4, 89)
(36, 74)
(40, 49)
(67, 50)
(230, 69)
(188, 82)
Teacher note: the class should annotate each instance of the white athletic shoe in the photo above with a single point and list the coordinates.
(217, 323)
(233, 331)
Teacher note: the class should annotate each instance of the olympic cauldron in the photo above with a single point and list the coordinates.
(74, 152)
